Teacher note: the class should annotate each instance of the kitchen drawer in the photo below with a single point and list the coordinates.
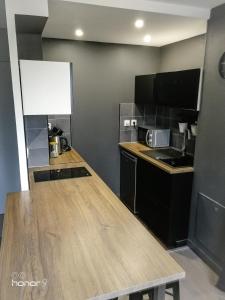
(210, 226)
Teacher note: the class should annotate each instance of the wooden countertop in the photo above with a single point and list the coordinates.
(78, 236)
(67, 157)
(135, 148)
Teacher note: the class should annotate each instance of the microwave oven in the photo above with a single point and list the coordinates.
(154, 137)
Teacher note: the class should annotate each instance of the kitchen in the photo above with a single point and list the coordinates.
(110, 68)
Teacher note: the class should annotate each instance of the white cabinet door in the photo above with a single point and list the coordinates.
(46, 87)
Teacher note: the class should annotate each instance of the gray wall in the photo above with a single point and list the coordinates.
(103, 78)
(207, 232)
(9, 164)
(187, 54)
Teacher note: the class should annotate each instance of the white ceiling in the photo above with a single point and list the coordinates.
(197, 3)
(115, 25)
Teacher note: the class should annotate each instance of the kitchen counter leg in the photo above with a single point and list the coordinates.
(136, 296)
(159, 292)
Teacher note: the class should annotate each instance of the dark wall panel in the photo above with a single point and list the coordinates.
(210, 148)
(9, 164)
(103, 77)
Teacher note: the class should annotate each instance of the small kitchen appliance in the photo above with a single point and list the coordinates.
(57, 142)
(154, 137)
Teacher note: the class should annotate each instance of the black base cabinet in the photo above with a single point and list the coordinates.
(163, 202)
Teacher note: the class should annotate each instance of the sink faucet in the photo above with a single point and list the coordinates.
(186, 136)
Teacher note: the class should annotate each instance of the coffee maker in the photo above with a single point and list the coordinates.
(57, 143)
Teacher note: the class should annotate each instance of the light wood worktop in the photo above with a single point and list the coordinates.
(80, 237)
(67, 157)
(136, 149)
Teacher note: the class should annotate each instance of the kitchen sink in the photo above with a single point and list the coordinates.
(171, 157)
(183, 161)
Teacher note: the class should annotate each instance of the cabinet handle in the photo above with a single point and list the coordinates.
(129, 156)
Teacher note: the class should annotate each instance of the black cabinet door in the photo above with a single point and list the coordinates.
(145, 89)
(178, 89)
(163, 202)
(153, 198)
(128, 166)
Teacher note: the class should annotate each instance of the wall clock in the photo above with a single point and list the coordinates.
(222, 66)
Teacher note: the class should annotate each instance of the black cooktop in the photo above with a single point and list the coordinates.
(59, 174)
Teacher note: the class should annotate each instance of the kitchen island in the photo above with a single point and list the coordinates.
(74, 239)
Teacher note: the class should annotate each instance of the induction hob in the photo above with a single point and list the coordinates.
(59, 174)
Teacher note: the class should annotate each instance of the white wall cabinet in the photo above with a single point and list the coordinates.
(46, 87)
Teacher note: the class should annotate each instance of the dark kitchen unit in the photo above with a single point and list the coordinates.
(159, 198)
(178, 89)
(145, 89)
(128, 167)
(163, 202)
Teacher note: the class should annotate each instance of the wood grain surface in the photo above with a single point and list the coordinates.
(78, 236)
(67, 157)
(136, 149)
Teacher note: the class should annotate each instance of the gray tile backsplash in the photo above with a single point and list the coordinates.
(37, 138)
(36, 129)
(129, 111)
(35, 122)
(63, 122)
(36, 132)
(160, 116)
(125, 136)
(38, 157)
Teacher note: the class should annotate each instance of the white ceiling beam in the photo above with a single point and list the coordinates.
(151, 6)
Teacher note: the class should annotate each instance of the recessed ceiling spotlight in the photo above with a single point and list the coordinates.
(79, 32)
(147, 38)
(139, 23)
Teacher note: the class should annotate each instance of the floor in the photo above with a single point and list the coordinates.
(200, 280)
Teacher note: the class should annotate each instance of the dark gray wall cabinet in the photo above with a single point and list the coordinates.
(178, 89)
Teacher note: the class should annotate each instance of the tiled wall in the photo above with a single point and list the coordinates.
(162, 117)
(169, 118)
(36, 131)
(63, 122)
(144, 114)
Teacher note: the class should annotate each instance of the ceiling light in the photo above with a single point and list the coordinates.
(147, 38)
(79, 32)
(139, 23)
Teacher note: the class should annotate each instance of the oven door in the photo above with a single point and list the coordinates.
(142, 135)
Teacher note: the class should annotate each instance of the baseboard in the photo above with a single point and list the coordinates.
(205, 257)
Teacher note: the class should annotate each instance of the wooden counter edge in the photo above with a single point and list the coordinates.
(131, 148)
(71, 156)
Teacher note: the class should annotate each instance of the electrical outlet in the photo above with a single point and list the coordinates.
(134, 123)
(126, 123)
